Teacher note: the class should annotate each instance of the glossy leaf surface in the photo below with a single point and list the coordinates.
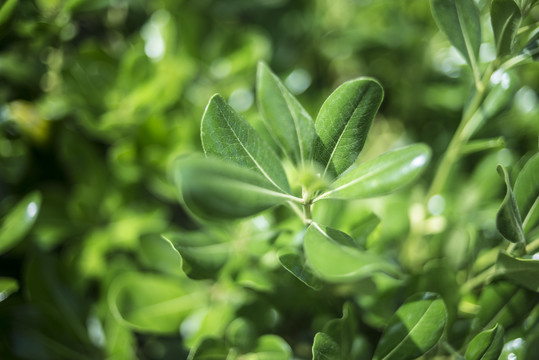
(524, 272)
(486, 345)
(459, 20)
(382, 175)
(154, 303)
(505, 19)
(336, 262)
(415, 328)
(214, 189)
(295, 264)
(343, 123)
(508, 220)
(526, 193)
(226, 134)
(7, 287)
(288, 121)
(19, 221)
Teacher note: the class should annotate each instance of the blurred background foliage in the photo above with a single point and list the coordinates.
(97, 98)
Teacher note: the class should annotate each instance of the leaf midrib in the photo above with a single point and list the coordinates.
(471, 54)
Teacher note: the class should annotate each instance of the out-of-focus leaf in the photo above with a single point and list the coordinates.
(343, 332)
(272, 347)
(343, 123)
(209, 349)
(415, 328)
(6, 10)
(336, 262)
(524, 272)
(459, 20)
(532, 46)
(514, 349)
(380, 176)
(295, 264)
(214, 189)
(505, 19)
(154, 303)
(487, 345)
(284, 115)
(227, 135)
(7, 287)
(18, 222)
(159, 253)
(526, 193)
(508, 220)
(325, 348)
(241, 333)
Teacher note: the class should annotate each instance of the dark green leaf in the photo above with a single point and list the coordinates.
(209, 349)
(325, 348)
(532, 46)
(415, 328)
(241, 333)
(284, 115)
(527, 193)
(18, 222)
(459, 20)
(335, 262)
(344, 331)
(505, 19)
(487, 345)
(227, 135)
(214, 189)
(154, 303)
(296, 265)
(524, 272)
(7, 287)
(380, 176)
(344, 122)
(508, 220)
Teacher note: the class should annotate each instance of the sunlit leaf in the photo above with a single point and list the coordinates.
(508, 220)
(524, 272)
(526, 193)
(505, 19)
(214, 189)
(6, 10)
(209, 349)
(7, 287)
(343, 123)
(325, 348)
(226, 134)
(487, 345)
(272, 347)
(18, 222)
(380, 176)
(295, 264)
(159, 253)
(335, 262)
(532, 46)
(416, 327)
(286, 118)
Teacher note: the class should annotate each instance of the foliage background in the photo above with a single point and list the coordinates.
(97, 98)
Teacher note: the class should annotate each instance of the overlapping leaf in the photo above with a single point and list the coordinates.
(527, 193)
(508, 220)
(297, 266)
(505, 18)
(19, 221)
(524, 272)
(487, 345)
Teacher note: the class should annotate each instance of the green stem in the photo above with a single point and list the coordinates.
(451, 350)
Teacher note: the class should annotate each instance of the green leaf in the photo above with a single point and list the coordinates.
(272, 347)
(241, 333)
(154, 303)
(286, 118)
(380, 176)
(343, 331)
(209, 349)
(487, 345)
(459, 20)
(18, 222)
(505, 18)
(508, 219)
(532, 46)
(524, 272)
(215, 189)
(295, 264)
(527, 193)
(343, 123)
(6, 10)
(7, 287)
(227, 135)
(325, 348)
(159, 253)
(335, 262)
(415, 328)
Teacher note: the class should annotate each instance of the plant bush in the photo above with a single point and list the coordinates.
(277, 235)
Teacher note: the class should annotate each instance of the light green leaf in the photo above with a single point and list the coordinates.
(295, 264)
(154, 303)
(380, 176)
(335, 262)
(343, 332)
(527, 193)
(284, 115)
(272, 347)
(325, 348)
(18, 222)
(505, 18)
(7, 287)
(241, 333)
(343, 123)
(524, 272)
(415, 328)
(459, 20)
(159, 253)
(227, 135)
(215, 189)
(6, 10)
(209, 349)
(487, 345)
(508, 220)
